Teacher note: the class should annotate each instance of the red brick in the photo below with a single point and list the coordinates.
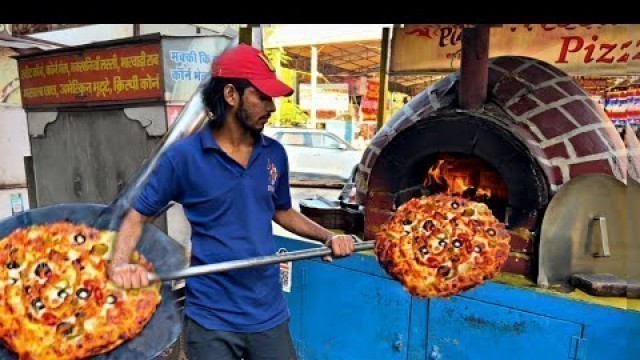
(596, 108)
(581, 112)
(535, 74)
(557, 150)
(493, 78)
(612, 136)
(380, 200)
(517, 265)
(507, 89)
(373, 219)
(553, 69)
(571, 87)
(526, 133)
(590, 167)
(552, 123)
(588, 143)
(521, 244)
(549, 94)
(523, 105)
(554, 174)
(508, 63)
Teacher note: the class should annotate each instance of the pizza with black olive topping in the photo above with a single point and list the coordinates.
(441, 245)
(55, 298)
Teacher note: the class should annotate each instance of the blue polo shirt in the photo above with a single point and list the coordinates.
(230, 209)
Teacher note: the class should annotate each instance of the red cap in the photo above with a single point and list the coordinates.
(247, 62)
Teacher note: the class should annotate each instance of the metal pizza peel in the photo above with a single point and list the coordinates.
(166, 323)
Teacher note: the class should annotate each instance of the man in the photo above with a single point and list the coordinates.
(232, 182)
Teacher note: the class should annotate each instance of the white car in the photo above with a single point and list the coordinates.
(317, 155)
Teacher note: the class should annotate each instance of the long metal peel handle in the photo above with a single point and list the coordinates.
(252, 262)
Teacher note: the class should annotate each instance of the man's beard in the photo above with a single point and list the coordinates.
(243, 119)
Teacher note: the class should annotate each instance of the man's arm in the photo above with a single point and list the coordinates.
(121, 271)
(299, 224)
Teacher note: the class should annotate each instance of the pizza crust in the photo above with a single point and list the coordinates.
(440, 245)
(55, 298)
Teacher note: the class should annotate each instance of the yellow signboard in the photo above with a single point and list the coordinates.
(576, 49)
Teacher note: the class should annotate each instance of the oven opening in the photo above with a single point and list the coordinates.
(461, 175)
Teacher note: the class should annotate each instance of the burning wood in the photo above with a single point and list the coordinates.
(450, 178)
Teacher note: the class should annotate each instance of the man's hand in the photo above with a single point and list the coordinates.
(128, 276)
(341, 245)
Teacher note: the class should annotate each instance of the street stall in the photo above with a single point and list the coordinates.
(520, 135)
(512, 132)
(94, 115)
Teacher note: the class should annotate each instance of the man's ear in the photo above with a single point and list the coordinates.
(231, 96)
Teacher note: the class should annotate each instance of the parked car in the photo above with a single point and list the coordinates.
(317, 155)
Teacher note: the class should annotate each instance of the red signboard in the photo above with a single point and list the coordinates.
(127, 73)
(369, 102)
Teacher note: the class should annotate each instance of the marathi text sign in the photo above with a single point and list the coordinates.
(128, 73)
(588, 50)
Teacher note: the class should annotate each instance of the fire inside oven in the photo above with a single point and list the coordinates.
(463, 175)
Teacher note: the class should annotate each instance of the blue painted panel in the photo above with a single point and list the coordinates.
(608, 332)
(418, 329)
(351, 316)
(362, 262)
(468, 329)
(294, 301)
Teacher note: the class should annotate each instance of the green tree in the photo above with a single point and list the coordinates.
(289, 113)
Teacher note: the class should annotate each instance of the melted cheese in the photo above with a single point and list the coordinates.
(72, 254)
(91, 324)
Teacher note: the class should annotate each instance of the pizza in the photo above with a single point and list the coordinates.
(441, 245)
(55, 299)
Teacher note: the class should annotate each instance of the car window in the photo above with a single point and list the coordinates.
(296, 139)
(324, 141)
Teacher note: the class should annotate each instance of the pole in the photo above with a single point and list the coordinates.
(245, 35)
(314, 84)
(474, 67)
(384, 82)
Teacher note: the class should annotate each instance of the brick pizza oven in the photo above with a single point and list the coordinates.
(536, 130)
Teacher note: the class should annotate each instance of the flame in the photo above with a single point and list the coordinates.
(439, 180)
(436, 175)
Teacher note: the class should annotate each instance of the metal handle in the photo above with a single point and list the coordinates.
(252, 262)
(604, 237)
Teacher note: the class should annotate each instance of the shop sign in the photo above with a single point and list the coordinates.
(127, 73)
(328, 97)
(369, 102)
(576, 49)
(187, 62)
